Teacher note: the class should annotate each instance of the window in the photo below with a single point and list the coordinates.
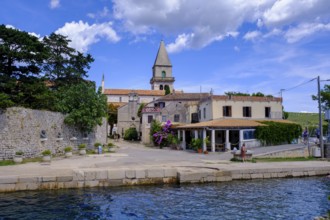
(176, 118)
(267, 112)
(248, 134)
(204, 112)
(161, 104)
(164, 118)
(150, 117)
(247, 111)
(161, 87)
(199, 114)
(194, 118)
(119, 99)
(226, 110)
(163, 74)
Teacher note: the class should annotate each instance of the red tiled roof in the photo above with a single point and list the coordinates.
(140, 92)
(246, 98)
(230, 123)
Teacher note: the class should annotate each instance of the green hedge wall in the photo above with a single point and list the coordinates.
(276, 133)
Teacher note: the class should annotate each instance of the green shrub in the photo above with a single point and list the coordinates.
(81, 146)
(197, 143)
(97, 144)
(110, 144)
(276, 133)
(19, 153)
(46, 153)
(131, 134)
(68, 149)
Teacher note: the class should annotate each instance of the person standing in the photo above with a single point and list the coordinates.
(305, 136)
(243, 152)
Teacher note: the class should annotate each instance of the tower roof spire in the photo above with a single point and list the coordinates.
(162, 56)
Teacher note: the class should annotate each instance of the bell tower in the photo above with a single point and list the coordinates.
(162, 71)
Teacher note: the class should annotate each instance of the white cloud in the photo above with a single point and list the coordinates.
(180, 43)
(100, 14)
(304, 30)
(196, 24)
(83, 35)
(236, 48)
(252, 35)
(291, 11)
(207, 23)
(54, 4)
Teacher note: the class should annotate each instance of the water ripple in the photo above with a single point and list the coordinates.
(299, 198)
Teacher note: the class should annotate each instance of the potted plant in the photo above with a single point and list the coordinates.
(68, 151)
(18, 158)
(197, 145)
(82, 149)
(111, 147)
(46, 155)
(98, 148)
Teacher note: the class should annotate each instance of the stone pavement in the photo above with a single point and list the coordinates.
(134, 163)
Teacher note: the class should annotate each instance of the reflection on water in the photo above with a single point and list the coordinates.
(302, 198)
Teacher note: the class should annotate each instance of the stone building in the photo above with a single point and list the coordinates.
(129, 100)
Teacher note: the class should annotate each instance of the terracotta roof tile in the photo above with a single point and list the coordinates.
(140, 92)
(183, 96)
(246, 98)
(231, 123)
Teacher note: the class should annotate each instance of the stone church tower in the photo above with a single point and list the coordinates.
(162, 71)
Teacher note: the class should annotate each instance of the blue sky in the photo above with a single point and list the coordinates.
(224, 45)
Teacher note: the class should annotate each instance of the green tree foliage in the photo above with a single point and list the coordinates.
(276, 133)
(112, 114)
(21, 60)
(84, 106)
(131, 134)
(167, 90)
(325, 97)
(48, 75)
(236, 94)
(257, 94)
(139, 113)
(5, 101)
(64, 64)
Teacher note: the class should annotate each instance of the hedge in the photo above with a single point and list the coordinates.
(276, 133)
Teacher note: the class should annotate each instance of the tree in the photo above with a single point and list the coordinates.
(112, 114)
(64, 64)
(84, 106)
(21, 59)
(236, 94)
(167, 90)
(325, 97)
(258, 94)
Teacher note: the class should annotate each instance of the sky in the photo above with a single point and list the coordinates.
(277, 47)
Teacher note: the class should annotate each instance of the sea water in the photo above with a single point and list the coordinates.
(296, 198)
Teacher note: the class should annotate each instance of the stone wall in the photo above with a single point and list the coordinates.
(296, 152)
(33, 131)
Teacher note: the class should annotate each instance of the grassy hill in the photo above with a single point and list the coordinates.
(306, 119)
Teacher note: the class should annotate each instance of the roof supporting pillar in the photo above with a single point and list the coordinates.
(241, 140)
(196, 134)
(183, 143)
(227, 140)
(204, 137)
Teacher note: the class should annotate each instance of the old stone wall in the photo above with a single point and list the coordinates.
(33, 131)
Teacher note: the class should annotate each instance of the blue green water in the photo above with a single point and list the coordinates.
(298, 198)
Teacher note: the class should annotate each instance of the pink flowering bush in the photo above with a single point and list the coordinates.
(161, 137)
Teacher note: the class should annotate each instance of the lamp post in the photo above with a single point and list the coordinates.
(320, 117)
